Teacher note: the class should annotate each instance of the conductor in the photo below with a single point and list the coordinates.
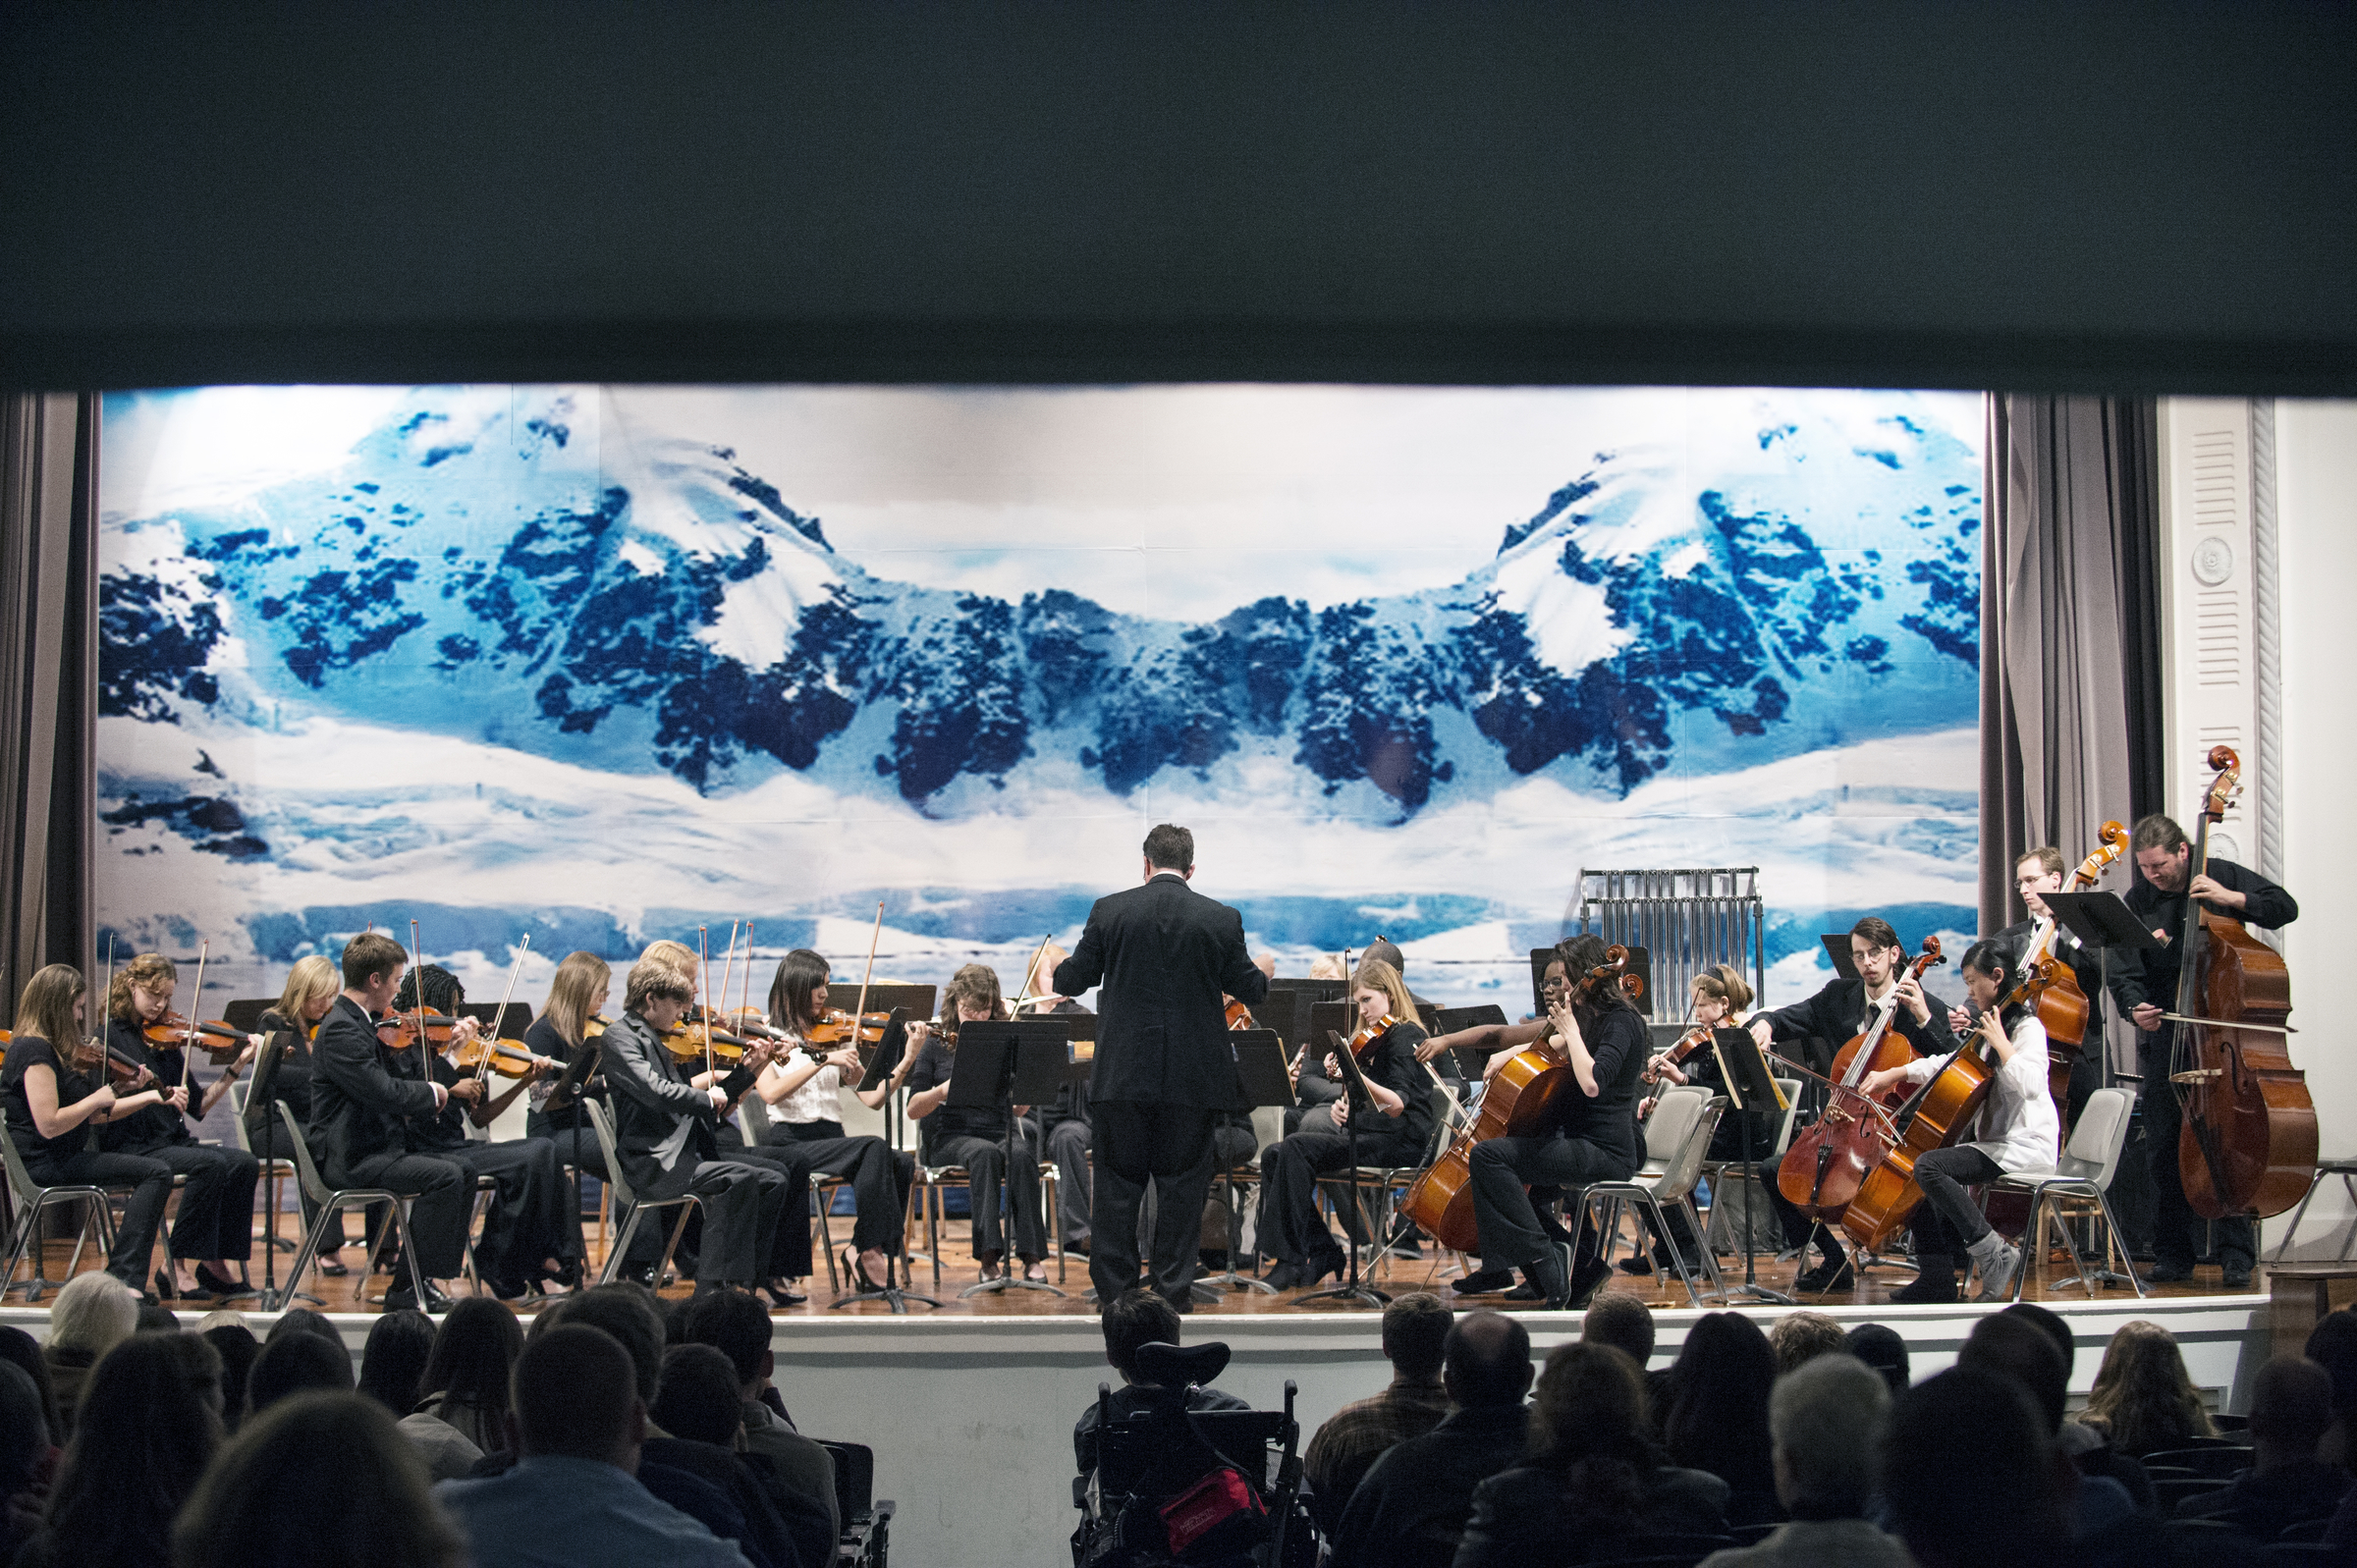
(1165, 1069)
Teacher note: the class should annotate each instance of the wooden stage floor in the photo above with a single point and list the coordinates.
(353, 1294)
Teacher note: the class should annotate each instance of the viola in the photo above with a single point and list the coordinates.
(2248, 1144)
(1830, 1159)
(172, 1032)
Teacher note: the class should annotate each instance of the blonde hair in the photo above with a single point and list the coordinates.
(673, 954)
(580, 978)
(311, 979)
(46, 1008)
(2142, 1394)
(1720, 983)
(1327, 966)
(976, 983)
(147, 971)
(1376, 975)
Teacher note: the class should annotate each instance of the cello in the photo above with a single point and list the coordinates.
(1518, 1102)
(2248, 1142)
(2064, 1008)
(1935, 1116)
(1827, 1161)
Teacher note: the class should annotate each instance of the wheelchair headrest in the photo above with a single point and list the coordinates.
(1170, 1366)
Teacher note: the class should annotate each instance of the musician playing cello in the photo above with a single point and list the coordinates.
(2145, 990)
(1845, 1008)
(2016, 1133)
(1600, 1038)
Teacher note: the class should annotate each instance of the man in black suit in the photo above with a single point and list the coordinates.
(2147, 989)
(1165, 1067)
(358, 1112)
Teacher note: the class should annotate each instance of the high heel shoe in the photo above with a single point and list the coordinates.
(781, 1294)
(226, 1289)
(164, 1290)
(854, 1271)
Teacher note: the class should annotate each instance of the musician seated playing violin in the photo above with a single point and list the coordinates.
(803, 1091)
(532, 1230)
(2016, 1133)
(1400, 1087)
(216, 1208)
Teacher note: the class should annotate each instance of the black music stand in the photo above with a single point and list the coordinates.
(1260, 1071)
(2104, 926)
(1749, 1084)
(1836, 947)
(1470, 1061)
(1002, 1065)
(889, 1051)
(1354, 1091)
(267, 1082)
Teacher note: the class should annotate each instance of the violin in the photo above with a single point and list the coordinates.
(690, 1041)
(1688, 1044)
(835, 1030)
(172, 1032)
(510, 1058)
(1240, 1016)
(1367, 1035)
(399, 1031)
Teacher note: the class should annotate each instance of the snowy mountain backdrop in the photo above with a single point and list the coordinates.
(566, 661)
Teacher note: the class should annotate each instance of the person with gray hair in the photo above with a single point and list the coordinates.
(1825, 1418)
(95, 1313)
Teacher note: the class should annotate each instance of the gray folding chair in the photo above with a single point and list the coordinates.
(331, 1203)
(1676, 1137)
(2084, 1171)
(627, 1202)
(32, 1200)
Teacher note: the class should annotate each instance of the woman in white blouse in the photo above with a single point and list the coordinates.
(2016, 1133)
(803, 1091)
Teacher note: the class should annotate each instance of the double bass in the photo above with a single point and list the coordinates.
(1518, 1102)
(2248, 1142)
(1829, 1159)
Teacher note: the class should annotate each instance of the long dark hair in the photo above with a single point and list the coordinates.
(152, 1411)
(474, 1352)
(1993, 959)
(1579, 956)
(1587, 1424)
(1719, 1389)
(400, 1346)
(799, 973)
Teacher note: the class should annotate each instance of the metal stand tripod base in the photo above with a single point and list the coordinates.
(1231, 1280)
(1761, 1293)
(1365, 1295)
(891, 1294)
(988, 1286)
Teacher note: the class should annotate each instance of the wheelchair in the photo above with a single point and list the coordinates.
(1204, 1489)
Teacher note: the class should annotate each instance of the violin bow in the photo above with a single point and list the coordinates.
(703, 982)
(105, 1001)
(1031, 975)
(188, 1038)
(744, 997)
(728, 972)
(417, 991)
(482, 1069)
(859, 1012)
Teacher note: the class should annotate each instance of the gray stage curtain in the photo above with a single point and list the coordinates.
(2070, 676)
(48, 681)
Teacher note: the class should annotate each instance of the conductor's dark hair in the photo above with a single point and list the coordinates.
(2157, 832)
(1877, 933)
(1137, 1318)
(799, 973)
(1170, 848)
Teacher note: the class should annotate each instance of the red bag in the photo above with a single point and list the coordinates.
(1218, 1499)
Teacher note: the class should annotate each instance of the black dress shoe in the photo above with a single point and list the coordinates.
(206, 1280)
(1835, 1274)
(1545, 1274)
(781, 1294)
(1586, 1280)
(1321, 1263)
(1077, 1247)
(2237, 1275)
(1182, 1305)
(642, 1273)
(163, 1287)
(1483, 1283)
(1283, 1277)
(2170, 1273)
(400, 1299)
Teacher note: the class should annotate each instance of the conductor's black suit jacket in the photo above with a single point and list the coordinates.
(1163, 954)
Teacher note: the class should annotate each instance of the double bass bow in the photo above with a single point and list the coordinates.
(2248, 1142)
(1830, 1159)
(1518, 1100)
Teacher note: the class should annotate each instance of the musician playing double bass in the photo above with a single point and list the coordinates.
(2016, 1133)
(1845, 1008)
(1602, 1039)
(2145, 990)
